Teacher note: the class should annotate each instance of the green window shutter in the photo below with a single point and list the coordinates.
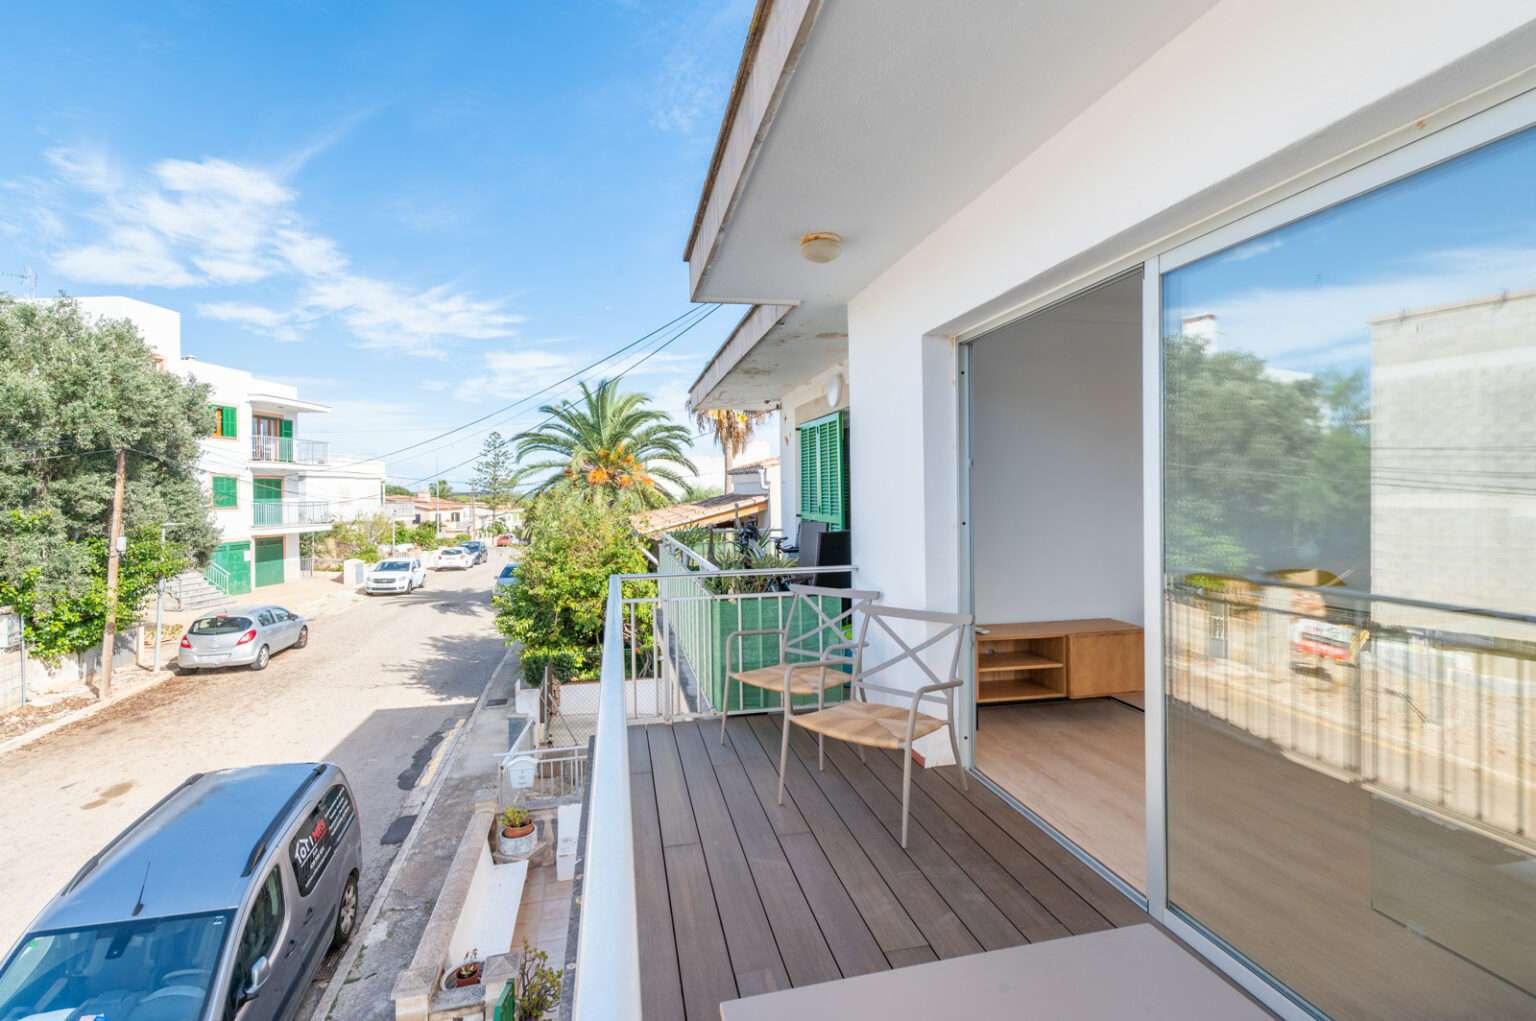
(266, 490)
(286, 428)
(824, 472)
(285, 443)
(225, 426)
(224, 491)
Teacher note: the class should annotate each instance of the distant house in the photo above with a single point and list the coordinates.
(268, 483)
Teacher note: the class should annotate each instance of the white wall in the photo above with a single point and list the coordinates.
(1056, 504)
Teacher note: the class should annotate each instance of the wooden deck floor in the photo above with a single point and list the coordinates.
(739, 895)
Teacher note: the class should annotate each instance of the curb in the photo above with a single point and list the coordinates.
(37, 733)
(339, 979)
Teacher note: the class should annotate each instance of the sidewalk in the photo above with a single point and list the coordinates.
(308, 597)
(397, 918)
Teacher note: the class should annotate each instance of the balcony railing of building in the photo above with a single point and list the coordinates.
(287, 450)
(291, 512)
(1426, 704)
(663, 659)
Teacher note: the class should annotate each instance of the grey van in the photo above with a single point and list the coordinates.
(217, 903)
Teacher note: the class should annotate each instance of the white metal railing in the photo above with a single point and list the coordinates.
(607, 980)
(291, 512)
(286, 449)
(219, 578)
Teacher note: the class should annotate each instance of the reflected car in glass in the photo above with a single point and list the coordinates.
(240, 636)
(219, 902)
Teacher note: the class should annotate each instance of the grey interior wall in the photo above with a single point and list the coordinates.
(1056, 487)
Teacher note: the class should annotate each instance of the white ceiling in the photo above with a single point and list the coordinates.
(902, 111)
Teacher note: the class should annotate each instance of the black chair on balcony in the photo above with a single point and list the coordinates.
(808, 664)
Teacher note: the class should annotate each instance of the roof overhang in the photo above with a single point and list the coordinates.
(279, 402)
(880, 120)
(712, 511)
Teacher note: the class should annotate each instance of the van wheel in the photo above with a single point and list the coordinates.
(262, 656)
(346, 913)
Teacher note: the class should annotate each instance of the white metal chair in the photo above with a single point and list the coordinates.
(886, 725)
(807, 664)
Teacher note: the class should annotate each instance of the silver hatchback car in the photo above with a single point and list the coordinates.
(219, 902)
(241, 636)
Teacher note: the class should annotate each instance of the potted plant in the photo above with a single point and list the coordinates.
(515, 837)
(466, 974)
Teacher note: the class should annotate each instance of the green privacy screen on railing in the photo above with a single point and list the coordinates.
(824, 471)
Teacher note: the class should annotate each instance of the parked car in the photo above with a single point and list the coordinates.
(219, 902)
(506, 539)
(505, 580)
(452, 558)
(478, 551)
(240, 636)
(395, 576)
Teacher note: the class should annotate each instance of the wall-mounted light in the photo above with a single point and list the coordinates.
(823, 246)
(834, 388)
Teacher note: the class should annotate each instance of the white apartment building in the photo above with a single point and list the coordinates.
(268, 484)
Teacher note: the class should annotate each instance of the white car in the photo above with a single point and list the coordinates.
(395, 575)
(454, 558)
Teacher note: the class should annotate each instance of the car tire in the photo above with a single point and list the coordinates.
(346, 914)
(303, 638)
(263, 656)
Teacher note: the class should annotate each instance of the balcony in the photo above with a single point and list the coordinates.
(287, 450)
(276, 513)
(737, 895)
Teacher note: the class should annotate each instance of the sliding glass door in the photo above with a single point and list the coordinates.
(1349, 574)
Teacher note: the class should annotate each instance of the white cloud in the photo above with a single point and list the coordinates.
(214, 222)
(515, 374)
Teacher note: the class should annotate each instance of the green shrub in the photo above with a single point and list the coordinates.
(564, 664)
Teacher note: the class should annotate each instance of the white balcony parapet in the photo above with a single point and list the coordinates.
(287, 450)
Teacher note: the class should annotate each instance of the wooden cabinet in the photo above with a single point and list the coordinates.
(1057, 659)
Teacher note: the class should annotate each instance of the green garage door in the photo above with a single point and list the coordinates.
(232, 557)
(269, 561)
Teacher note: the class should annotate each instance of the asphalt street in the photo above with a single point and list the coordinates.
(382, 683)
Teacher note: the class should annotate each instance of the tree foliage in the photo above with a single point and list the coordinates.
(1265, 473)
(610, 446)
(494, 473)
(394, 490)
(731, 431)
(561, 592)
(72, 393)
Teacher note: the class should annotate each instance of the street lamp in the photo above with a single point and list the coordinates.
(160, 594)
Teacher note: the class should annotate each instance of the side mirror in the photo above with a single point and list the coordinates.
(260, 972)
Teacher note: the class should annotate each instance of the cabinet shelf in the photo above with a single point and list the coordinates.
(995, 662)
(1015, 691)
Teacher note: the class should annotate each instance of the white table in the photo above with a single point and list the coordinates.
(1132, 974)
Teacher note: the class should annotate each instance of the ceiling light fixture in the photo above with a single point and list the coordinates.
(823, 246)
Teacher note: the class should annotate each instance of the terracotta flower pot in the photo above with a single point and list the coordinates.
(516, 841)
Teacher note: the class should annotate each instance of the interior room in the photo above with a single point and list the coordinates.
(1057, 535)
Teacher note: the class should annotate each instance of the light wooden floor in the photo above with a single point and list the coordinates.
(1079, 766)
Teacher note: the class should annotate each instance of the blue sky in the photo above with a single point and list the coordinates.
(416, 213)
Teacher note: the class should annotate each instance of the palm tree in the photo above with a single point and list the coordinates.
(609, 443)
(732, 431)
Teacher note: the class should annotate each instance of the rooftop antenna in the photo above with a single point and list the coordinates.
(140, 905)
(27, 278)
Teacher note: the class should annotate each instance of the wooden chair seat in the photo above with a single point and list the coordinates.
(805, 680)
(871, 724)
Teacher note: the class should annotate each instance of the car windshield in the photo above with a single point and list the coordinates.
(217, 626)
(509, 570)
(472, 546)
(393, 565)
(99, 971)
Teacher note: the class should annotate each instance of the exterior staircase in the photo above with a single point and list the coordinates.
(191, 591)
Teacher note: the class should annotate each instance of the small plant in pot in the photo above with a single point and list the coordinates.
(515, 837)
(466, 974)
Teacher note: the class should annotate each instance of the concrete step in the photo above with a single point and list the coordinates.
(194, 592)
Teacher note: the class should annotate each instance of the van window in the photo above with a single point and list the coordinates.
(259, 935)
(315, 846)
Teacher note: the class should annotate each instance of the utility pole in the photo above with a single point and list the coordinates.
(472, 507)
(114, 540)
(160, 594)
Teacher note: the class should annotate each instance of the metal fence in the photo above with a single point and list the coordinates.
(1429, 704)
